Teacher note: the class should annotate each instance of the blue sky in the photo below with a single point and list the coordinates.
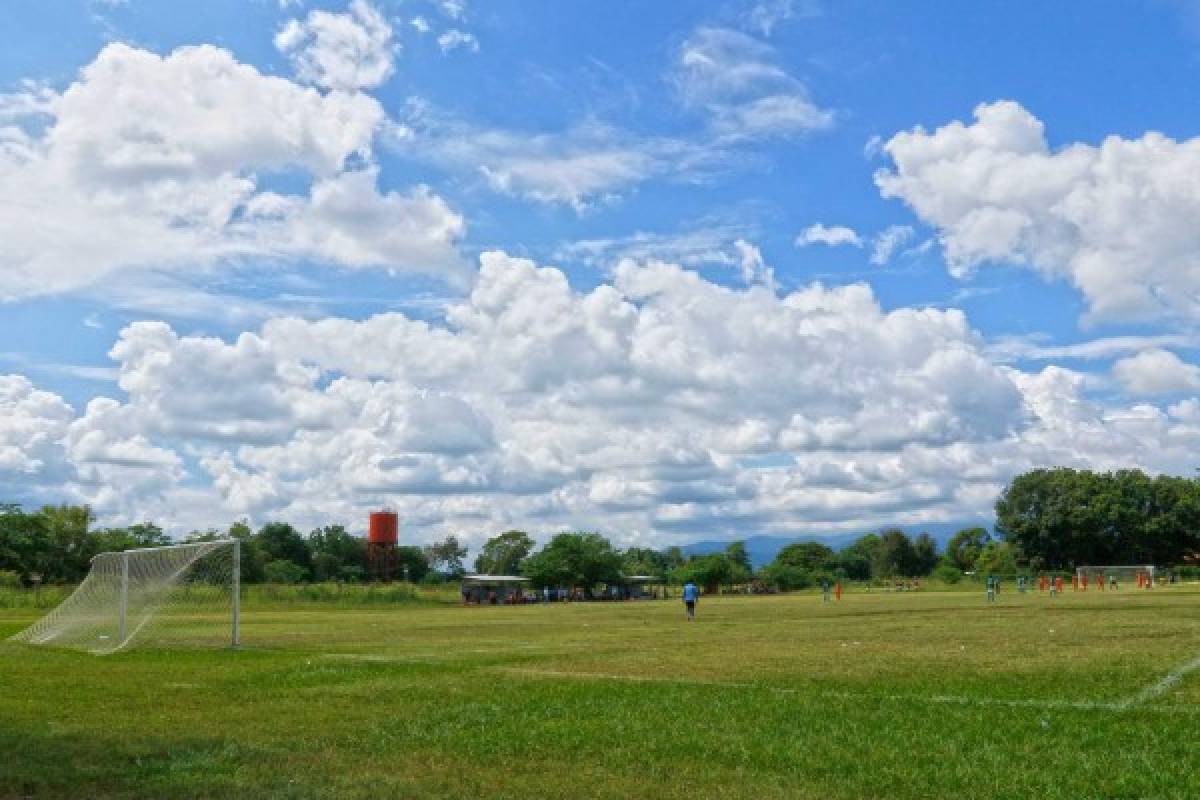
(290, 200)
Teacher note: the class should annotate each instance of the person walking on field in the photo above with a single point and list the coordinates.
(690, 595)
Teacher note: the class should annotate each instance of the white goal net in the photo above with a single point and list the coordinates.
(183, 595)
(1131, 575)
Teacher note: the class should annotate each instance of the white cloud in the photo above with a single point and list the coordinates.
(454, 39)
(738, 81)
(831, 236)
(753, 268)
(454, 9)
(340, 51)
(420, 25)
(1155, 372)
(1010, 348)
(710, 244)
(636, 398)
(31, 423)
(1116, 219)
(152, 163)
(639, 407)
(887, 241)
(590, 164)
(765, 15)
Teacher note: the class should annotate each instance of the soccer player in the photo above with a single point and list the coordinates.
(991, 589)
(690, 595)
(824, 590)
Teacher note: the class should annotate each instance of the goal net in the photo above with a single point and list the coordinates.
(1131, 575)
(179, 595)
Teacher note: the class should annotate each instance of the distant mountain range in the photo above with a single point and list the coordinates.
(763, 549)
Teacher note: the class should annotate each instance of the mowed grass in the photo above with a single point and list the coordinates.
(878, 696)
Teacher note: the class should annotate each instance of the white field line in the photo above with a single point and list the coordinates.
(939, 699)
(1161, 687)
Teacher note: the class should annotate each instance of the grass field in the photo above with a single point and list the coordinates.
(880, 696)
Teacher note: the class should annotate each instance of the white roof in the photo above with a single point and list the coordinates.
(495, 578)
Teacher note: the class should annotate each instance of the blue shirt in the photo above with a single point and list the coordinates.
(690, 593)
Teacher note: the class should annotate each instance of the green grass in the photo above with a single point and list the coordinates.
(910, 695)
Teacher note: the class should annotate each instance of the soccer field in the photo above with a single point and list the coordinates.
(881, 695)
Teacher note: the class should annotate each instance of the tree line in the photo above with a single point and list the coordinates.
(55, 544)
(1052, 519)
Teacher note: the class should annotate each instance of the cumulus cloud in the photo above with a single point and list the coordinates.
(340, 51)
(737, 79)
(638, 398)
(151, 162)
(31, 424)
(831, 236)
(656, 405)
(1156, 372)
(1116, 219)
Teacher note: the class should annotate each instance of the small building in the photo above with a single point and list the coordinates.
(635, 587)
(493, 589)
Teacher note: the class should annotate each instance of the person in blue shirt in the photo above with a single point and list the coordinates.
(690, 595)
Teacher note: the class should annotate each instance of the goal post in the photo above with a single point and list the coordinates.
(177, 595)
(1127, 574)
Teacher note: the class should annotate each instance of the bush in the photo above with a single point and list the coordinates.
(947, 573)
(9, 579)
(283, 571)
(351, 574)
(432, 579)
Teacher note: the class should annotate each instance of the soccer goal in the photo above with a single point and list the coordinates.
(179, 595)
(1132, 575)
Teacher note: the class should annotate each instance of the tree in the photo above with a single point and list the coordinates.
(998, 558)
(24, 541)
(503, 554)
(964, 547)
(808, 556)
(856, 559)
(711, 570)
(574, 560)
(673, 557)
(1061, 518)
(280, 541)
(253, 560)
(644, 561)
(334, 549)
(67, 558)
(412, 563)
(894, 556)
(739, 556)
(145, 534)
(447, 556)
(925, 554)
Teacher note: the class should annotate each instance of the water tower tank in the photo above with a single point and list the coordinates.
(385, 527)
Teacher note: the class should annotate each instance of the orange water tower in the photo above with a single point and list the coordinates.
(382, 534)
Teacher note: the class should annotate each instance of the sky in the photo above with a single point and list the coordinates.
(669, 271)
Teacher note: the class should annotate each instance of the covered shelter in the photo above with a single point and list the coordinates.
(493, 589)
(635, 587)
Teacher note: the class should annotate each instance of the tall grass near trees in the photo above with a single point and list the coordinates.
(263, 595)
